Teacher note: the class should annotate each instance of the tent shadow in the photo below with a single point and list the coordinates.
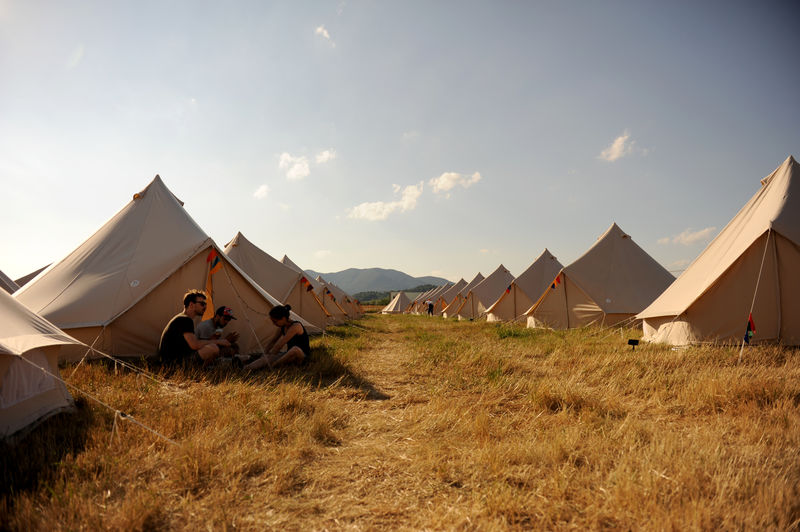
(34, 458)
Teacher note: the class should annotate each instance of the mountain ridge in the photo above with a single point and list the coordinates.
(353, 280)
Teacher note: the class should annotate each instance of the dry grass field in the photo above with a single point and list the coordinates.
(409, 422)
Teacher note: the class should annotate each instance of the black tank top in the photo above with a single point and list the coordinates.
(298, 340)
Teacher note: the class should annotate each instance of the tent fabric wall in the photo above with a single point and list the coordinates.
(27, 394)
(7, 284)
(337, 313)
(443, 300)
(450, 310)
(284, 283)
(125, 282)
(607, 285)
(759, 247)
(483, 294)
(523, 291)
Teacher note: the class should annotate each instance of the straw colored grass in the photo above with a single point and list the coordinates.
(410, 422)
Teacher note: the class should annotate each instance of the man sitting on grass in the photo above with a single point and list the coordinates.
(178, 342)
(211, 329)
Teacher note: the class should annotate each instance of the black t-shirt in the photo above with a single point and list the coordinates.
(173, 346)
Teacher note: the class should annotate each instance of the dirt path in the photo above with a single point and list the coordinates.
(369, 474)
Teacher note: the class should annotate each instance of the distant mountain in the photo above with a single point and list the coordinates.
(354, 280)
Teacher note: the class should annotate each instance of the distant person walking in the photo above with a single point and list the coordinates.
(430, 307)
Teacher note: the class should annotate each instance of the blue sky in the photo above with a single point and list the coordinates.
(432, 137)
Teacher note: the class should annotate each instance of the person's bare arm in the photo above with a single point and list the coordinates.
(195, 343)
(291, 332)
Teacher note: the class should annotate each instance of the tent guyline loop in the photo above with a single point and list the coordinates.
(755, 292)
(117, 413)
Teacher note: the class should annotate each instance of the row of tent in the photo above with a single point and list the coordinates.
(747, 278)
(117, 290)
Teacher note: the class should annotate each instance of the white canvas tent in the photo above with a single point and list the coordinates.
(607, 285)
(483, 294)
(444, 299)
(28, 342)
(342, 298)
(120, 287)
(525, 289)
(281, 281)
(414, 307)
(8, 284)
(450, 310)
(397, 305)
(753, 262)
(337, 312)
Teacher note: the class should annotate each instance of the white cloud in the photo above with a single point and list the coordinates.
(284, 207)
(261, 192)
(325, 156)
(484, 251)
(618, 149)
(410, 135)
(323, 32)
(296, 167)
(449, 180)
(679, 264)
(689, 237)
(380, 210)
(75, 57)
(322, 253)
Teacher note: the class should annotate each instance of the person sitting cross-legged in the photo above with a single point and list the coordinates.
(290, 334)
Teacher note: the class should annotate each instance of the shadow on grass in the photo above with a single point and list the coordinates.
(32, 459)
(323, 371)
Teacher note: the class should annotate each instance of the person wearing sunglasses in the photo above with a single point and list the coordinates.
(179, 344)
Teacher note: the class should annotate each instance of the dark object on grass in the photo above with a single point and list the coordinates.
(633, 343)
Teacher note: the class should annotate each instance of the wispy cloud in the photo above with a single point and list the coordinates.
(261, 192)
(325, 156)
(448, 180)
(284, 207)
(484, 251)
(679, 264)
(380, 210)
(410, 135)
(75, 57)
(622, 146)
(296, 166)
(322, 253)
(323, 32)
(689, 237)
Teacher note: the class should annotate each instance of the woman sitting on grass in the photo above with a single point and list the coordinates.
(291, 334)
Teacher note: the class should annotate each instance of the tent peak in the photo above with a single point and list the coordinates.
(157, 182)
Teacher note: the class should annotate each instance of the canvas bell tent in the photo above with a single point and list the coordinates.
(450, 310)
(280, 281)
(752, 267)
(119, 288)
(523, 291)
(338, 314)
(397, 305)
(443, 300)
(483, 294)
(609, 284)
(343, 299)
(29, 344)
